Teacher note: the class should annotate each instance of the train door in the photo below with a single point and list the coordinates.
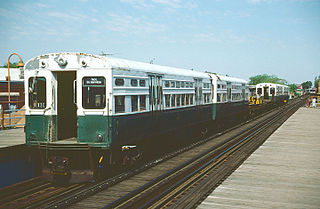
(198, 91)
(229, 91)
(155, 93)
(266, 92)
(66, 108)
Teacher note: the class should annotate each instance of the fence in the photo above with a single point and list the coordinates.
(12, 118)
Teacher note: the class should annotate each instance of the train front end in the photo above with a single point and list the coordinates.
(67, 114)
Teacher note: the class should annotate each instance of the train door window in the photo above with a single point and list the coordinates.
(183, 98)
(134, 103)
(173, 100)
(119, 104)
(142, 83)
(142, 102)
(37, 92)
(187, 99)
(119, 82)
(166, 84)
(173, 84)
(93, 92)
(191, 99)
(167, 97)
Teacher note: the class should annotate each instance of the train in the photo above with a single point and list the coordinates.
(86, 114)
(277, 93)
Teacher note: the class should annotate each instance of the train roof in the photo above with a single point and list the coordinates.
(271, 84)
(228, 78)
(97, 61)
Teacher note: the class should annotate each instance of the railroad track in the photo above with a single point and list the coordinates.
(185, 185)
(34, 193)
(143, 193)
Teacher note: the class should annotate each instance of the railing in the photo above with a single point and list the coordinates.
(12, 118)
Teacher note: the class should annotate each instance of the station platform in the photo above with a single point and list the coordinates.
(282, 173)
(12, 137)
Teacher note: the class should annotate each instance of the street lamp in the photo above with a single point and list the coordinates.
(20, 64)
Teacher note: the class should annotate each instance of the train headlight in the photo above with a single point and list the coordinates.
(99, 137)
(32, 137)
(43, 64)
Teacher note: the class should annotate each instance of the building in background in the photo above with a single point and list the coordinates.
(16, 87)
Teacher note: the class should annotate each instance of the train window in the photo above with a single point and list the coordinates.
(218, 97)
(93, 92)
(178, 100)
(134, 103)
(143, 102)
(167, 84)
(119, 82)
(37, 92)
(134, 82)
(182, 84)
(173, 84)
(272, 90)
(187, 99)
(191, 99)
(173, 100)
(183, 98)
(178, 84)
(167, 98)
(142, 83)
(259, 90)
(119, 104)
(191, 85)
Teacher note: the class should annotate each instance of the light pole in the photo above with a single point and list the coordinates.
(20, 64)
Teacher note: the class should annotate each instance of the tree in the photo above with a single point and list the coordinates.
(12, 65)
(265, 78)
(293, 88)
(306, 85)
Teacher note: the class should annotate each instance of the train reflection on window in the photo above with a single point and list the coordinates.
(94, 92)
(37, 92)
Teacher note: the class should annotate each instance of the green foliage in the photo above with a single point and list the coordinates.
(293, 88)
(306, 85)
(265, 78)
(12, 65)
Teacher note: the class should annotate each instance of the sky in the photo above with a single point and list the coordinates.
(239, 38)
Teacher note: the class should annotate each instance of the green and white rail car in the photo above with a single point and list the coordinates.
(85, 112)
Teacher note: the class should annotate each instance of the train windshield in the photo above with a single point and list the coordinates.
(94, 92)
(37, 92)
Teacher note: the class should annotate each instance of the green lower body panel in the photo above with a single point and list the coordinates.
(94, 130)
(40, 128)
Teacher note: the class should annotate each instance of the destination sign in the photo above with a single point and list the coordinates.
(94, 81)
